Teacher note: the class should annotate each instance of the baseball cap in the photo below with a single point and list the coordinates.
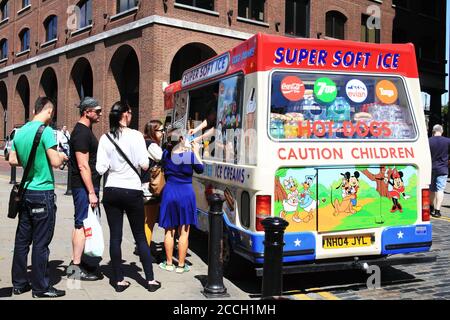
(89, 103)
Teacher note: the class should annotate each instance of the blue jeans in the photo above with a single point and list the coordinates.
(36, 226)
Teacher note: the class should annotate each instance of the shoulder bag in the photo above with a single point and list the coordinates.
(148, 194)
(16, 195)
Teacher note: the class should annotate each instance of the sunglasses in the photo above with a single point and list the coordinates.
(160, 130)
(98, 111)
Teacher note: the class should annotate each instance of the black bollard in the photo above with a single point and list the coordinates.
(69, 180)
(13, 176)
(214, 287)
(272, 281)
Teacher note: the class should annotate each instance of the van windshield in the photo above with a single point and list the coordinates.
(332, 106)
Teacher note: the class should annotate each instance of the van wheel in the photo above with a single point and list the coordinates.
(234, 266)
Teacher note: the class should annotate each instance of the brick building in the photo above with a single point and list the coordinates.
(128, 49)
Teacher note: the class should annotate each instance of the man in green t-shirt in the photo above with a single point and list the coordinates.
(38, 213)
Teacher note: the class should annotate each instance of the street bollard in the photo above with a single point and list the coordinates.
(272, 281)
(214, 287)
(13, 176)
(69, 180)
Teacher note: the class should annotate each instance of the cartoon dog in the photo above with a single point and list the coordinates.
(398, 188)
(346, 205)
(291, 204)
(307, 203)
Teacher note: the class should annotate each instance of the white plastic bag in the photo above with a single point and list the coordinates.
(93, 232)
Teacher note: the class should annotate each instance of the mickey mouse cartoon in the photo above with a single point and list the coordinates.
(398, 188)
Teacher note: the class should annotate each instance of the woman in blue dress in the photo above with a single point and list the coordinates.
(178, 206)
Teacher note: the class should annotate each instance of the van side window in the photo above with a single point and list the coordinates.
(332, 106)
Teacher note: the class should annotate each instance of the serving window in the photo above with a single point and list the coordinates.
(329, 106)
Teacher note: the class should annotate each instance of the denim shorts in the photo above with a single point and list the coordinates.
(81, 202)
(438, 183)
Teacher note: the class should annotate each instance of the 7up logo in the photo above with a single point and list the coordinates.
(325, 90)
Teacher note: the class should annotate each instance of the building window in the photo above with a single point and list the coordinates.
(297, 18)
(3, 49)
(369, 33)
(51, 28)
(25, 3)
(430, 8)
(251, 9)
(4, 8)
(124, 5)
(335, 25)
(203, 4)
(85, 13)
(24, 40)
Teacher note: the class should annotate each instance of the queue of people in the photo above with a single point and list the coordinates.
(126, 155)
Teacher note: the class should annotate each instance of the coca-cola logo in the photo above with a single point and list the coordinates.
(292, 88)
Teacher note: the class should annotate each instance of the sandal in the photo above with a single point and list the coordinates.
(167, 267)
(182, 269)
(122, 287)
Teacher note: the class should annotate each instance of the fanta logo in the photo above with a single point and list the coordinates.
(387, 92)
(292, 88)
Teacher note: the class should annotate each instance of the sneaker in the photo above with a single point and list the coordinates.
(19, 291)
(182, 269)
(167, 267)
(436, 214)
(50, 293)
(76, 272)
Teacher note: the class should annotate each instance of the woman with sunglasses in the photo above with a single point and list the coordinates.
(122, 151)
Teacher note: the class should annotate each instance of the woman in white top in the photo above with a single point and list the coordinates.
(123, 191)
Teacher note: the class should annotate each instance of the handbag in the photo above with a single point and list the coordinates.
(93, 232)
(147, 195)
(157, 180)
(17, 191)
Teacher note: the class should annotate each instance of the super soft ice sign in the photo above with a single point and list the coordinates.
(207, 70)
(339, 59)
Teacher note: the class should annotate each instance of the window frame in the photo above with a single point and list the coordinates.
(25, 32)
(128, 6)
(294, 19)
(51, 22)
(85, 23)
(334, 15)
(326, 73)
(4, 9)
(195, 5)
(26, 3)
(4, 49)
(250, 11)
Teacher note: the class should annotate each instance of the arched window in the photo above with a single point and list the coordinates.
(4, 10)
(51, 28)
(24, 40)
(335, 25)
(3, 49)
(85, 13)
(124, 5)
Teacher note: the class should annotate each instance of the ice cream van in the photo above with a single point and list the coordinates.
(329, 135)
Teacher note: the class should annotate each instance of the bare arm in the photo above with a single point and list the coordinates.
(86, 175)
(13, 160)
(56, 158)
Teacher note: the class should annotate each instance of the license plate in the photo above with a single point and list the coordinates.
(352, 241)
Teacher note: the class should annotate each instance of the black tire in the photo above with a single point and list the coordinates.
(234, 266)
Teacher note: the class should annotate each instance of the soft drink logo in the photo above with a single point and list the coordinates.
(356, 91)
(386, 92)
(292, 88)
(88, 232)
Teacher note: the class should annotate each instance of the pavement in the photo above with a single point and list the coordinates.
(187, 286)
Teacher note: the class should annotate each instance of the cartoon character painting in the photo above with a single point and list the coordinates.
(346, 205)
(291, 204)
(398, 188)
(307, 203)
(354, 187)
